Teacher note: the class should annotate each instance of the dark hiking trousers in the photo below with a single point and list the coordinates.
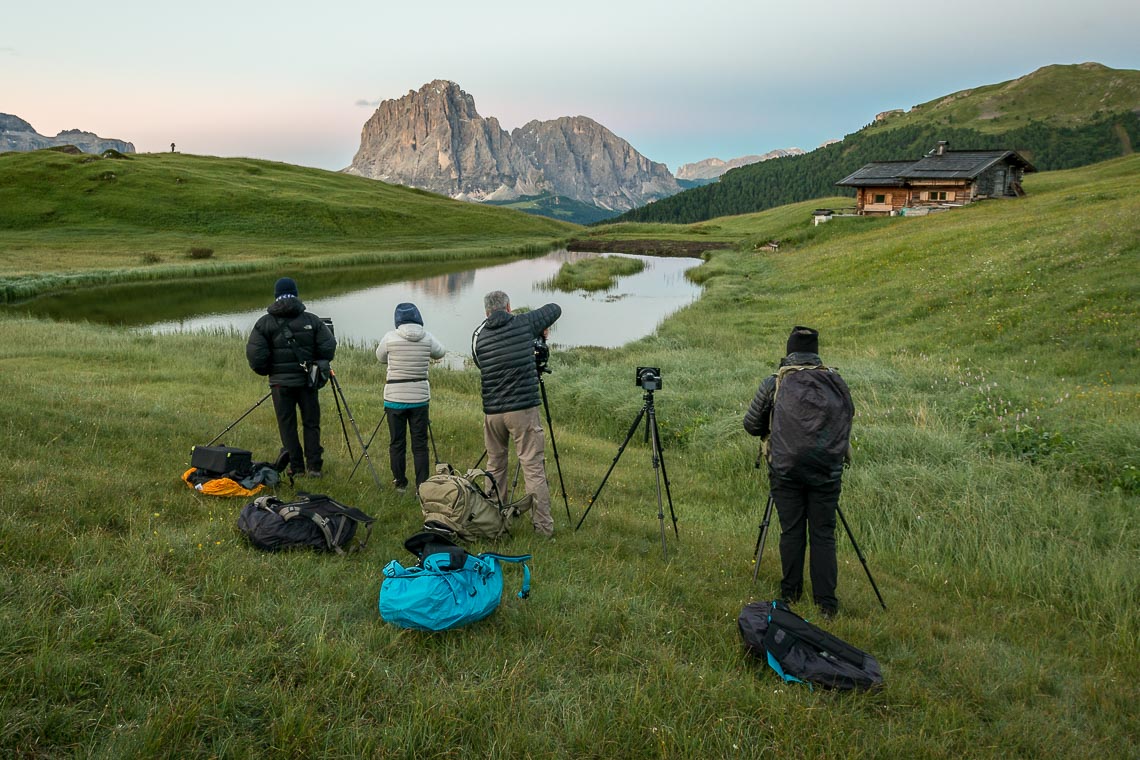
(399, 422)
(807, 511)
(286, 402)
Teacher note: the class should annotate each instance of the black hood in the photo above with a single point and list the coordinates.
(286, 307)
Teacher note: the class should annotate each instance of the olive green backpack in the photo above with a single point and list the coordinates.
(457, 506)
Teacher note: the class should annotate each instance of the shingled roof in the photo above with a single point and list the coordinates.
(949, 165)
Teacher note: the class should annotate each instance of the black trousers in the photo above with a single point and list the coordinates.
(286, 402)
(399, 422)
(805, 511)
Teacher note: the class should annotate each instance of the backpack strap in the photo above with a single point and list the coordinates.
(306, 508)
(520, 559)
(473, 476)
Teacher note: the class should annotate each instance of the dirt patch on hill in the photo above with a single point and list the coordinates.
(693, 248)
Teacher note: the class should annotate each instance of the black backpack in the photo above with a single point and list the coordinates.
(811, 424)
(801, 652)
(314, 521)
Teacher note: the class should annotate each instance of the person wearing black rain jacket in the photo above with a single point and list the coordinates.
(281, 343)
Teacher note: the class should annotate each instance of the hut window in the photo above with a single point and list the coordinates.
(880, 198)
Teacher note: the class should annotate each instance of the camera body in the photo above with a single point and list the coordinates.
(541, 356)
(648, 378)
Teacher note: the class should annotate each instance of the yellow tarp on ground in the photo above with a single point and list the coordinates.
(220, 486)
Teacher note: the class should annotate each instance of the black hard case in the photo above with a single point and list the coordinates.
(220, 459)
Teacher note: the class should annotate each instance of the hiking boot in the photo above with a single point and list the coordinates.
(313, 474)
(400, 488)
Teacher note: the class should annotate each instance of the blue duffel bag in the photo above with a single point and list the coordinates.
(449, 588)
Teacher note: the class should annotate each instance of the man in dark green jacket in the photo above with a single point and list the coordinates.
(503, 350)
(280, 346)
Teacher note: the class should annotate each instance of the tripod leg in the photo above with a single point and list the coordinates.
(239, 419)
(431, 437)
(554, 446)
(336, 397)
(632, 429)
(762, 538)
(515, 482)
(860, 555)
(481, 458)
(359, 437)
(664, 471)
(369, 444)
(658, 467)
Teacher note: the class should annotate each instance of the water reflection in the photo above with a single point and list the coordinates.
(452, 304)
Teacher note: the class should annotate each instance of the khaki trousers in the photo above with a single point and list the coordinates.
(525, 428)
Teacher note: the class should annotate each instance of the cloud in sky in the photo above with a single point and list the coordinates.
(368, 103)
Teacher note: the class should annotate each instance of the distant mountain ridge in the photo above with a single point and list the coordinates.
(18, 135)
(434, 139)
(711, 168)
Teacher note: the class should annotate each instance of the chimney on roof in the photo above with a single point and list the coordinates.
(941, 147)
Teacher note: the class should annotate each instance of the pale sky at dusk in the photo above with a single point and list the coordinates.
(295, 82)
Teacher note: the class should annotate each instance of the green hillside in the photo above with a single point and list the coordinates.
(1059, 117)
(557, 207)
(65, 215)
(1062, 96)
(993, 353)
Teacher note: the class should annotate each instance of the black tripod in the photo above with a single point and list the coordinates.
(651, 432)
(338, 396)
(239, 419)
(761, 539)
(384, 416)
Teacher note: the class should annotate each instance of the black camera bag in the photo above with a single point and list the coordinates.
(800, 651)
(221, 459)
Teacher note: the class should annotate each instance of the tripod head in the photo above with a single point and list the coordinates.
(541, 357)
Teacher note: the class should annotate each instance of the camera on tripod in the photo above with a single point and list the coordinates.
(649, 378)
(541, 356)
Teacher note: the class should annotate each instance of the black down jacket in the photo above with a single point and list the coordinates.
(503, 349)
(268, 350)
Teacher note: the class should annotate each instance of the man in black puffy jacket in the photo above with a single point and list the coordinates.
(280, 345)
(503, 350)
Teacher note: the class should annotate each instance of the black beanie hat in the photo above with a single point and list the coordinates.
(285, 287)
(407, 312)
(803, 340)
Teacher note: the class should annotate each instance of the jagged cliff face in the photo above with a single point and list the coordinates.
(18, 135)
(434, 139)
(583, 160)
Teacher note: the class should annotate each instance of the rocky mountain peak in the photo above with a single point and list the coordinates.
(434, 138)
(18, 135)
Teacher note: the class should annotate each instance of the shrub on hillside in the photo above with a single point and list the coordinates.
(201, 253)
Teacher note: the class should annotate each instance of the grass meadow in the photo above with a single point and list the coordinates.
(992, 353)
